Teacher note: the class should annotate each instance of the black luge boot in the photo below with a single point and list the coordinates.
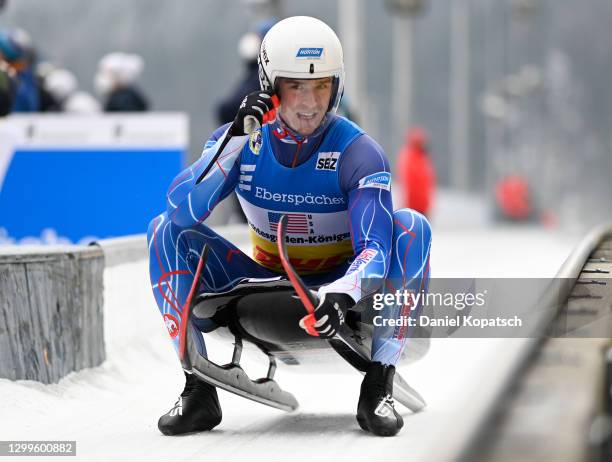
(375, 411)
(196, 410)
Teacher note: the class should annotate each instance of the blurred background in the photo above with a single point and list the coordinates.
(499, 103)
(494, 114)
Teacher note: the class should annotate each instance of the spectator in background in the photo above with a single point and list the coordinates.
(248, 49)
(6, 89)
(62, 86)
(16, 49)
(115, 82)
(6, 80)
(48, 103)
(416, 172)
(513, 197)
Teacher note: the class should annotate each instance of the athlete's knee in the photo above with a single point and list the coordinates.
(413, 222)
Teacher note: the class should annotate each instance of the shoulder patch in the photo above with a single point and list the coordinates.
(327, 161)
(380, 180)
(255, 142)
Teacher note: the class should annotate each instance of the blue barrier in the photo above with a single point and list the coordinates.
(57, 194)
(80, 193)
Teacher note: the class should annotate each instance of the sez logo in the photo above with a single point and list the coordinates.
(309, 52)
(327, 160)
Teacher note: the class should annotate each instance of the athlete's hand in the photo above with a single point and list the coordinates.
(256, 109)
(329, 315)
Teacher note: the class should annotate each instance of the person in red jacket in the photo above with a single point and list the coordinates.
(416, 172)
(513, 198)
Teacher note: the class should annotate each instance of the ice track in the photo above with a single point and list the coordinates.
(112, 411)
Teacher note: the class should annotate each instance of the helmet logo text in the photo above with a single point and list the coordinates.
(309, 53)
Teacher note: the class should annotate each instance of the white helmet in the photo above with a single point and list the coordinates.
(302, 47)
(61, 83)
(117, 68)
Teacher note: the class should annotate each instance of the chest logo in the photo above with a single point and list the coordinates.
(255, 142)
(327, 161)
(297, 223)
(246, 176)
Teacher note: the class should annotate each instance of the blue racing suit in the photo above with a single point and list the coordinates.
(335, 187)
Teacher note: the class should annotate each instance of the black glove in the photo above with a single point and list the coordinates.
(329, 315)
(256, 109)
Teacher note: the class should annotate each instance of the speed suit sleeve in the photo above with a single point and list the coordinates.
(189, 203)
(366, 179)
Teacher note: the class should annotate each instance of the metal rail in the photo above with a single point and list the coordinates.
(551, 305)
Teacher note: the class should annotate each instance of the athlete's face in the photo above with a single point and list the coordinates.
(304, 102)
